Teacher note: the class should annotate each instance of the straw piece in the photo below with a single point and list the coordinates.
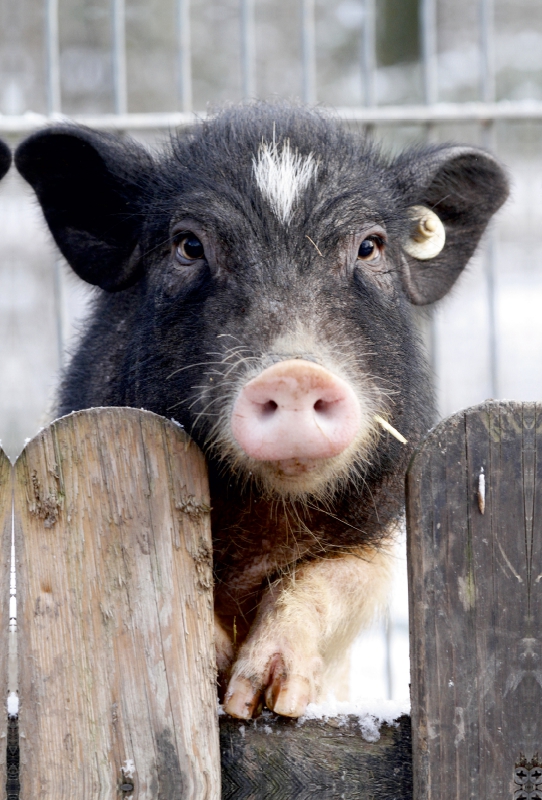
(390, 428)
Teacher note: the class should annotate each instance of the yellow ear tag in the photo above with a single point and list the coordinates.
(429, 236)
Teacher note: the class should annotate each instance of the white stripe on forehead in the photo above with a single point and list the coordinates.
(281, 176)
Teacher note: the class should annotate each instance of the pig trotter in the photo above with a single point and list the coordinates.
(303, 632)
(287, 681)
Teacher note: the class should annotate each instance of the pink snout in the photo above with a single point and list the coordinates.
(295, 410)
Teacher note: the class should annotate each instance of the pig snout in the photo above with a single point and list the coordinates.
(295, 410)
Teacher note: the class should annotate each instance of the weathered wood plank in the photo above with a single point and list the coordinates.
(117, 679)
(5, 557)
(275, 758)
(476, 605)
(260, 762)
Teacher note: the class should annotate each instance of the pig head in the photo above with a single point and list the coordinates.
(256, 282)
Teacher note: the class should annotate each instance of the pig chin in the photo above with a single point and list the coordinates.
(296, 477)
(296, 467)
(300, 476)
(293, 478)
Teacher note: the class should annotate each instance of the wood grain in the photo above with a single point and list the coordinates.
(5, 556)
(115, 612)
(476, 605)
(274, 758)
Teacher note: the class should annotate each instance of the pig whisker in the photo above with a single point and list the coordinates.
(175, 405)
(192, 366)
(240, 346)
(220, 383)
(234, 366)
(229, 352)
(333, 516)
(204, 409)
(237, 353)
(204, 364)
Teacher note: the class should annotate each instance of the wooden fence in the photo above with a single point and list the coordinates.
(114, 582)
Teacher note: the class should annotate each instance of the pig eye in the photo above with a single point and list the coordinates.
(188, 248)
(370, 248)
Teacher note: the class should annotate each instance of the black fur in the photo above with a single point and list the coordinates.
(156, 336)
(5, 158)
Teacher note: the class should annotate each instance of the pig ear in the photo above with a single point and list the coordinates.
(463, 187)
(91, 187)
(5, 158)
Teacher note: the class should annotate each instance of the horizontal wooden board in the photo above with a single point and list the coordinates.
(274, 758)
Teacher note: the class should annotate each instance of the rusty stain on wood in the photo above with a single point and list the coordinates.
(476, 603)
(117, 675)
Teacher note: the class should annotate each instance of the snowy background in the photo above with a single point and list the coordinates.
(42, 304)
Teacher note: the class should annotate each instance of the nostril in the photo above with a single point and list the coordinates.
(324, 406)
(268, 408)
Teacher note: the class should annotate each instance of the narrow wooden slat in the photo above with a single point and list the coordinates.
(476, 585)
(5, 556)
(274, 758)
(117, 680)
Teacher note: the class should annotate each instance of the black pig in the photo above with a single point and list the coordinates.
(256, 283)
(5, 158)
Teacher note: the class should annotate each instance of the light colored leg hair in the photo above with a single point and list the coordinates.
(304, 630)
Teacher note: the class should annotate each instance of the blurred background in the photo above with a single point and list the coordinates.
(402, 71)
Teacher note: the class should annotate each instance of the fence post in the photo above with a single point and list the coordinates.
(117, 677)
(474, 509)
(5, 551)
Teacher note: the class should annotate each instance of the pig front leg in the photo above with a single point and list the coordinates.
(223, 648)
(305, 626)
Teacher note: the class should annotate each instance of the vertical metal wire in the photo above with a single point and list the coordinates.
(54, 106)
(248, 57)
(487, 52)
(118, 25)
(184, 55)
(488, 94)
(53, 57)
(368, 55)
(488, 139)
(388, 636)
(59, 291)
(428, 30)
(428, 39)
(308, 51)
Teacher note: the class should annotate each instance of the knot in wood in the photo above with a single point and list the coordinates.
(202, 555)
(192, 506)
(46, 508)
